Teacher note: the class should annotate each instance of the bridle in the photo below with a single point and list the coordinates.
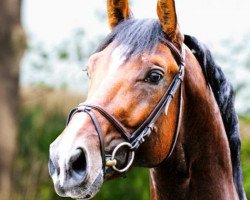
(137, 137)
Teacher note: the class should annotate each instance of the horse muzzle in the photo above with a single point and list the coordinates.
(72, 176)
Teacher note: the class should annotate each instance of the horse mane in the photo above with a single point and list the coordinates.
(138, 36)
(224, 95)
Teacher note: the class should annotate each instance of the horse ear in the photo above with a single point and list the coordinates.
(118, 10)
(168, 19)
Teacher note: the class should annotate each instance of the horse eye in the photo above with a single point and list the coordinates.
(154, 77)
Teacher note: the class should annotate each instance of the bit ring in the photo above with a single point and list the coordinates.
(114, 154)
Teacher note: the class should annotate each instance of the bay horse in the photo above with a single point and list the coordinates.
(158, 100)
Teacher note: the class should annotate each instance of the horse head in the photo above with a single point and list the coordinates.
(133, 110)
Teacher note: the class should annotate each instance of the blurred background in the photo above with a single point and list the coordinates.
(44, 45)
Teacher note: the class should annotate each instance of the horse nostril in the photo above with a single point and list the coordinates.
(78, 164)
(51, 168)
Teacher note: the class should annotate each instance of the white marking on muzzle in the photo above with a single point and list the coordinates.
(65, 147)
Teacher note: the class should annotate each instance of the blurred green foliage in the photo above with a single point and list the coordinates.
(39, 127)
(245, 157)
(37, 130)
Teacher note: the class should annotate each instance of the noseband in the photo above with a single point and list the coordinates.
(137, 137)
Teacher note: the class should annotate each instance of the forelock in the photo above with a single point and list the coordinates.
(136, 36)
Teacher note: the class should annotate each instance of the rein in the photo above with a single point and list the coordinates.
(137, 137)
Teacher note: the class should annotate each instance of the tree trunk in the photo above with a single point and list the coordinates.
(12, 45)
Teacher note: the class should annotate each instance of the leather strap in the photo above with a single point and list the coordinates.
(153, 116)
(110, 118)
(100, 135)
(177, 130)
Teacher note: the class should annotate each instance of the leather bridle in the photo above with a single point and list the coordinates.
(137, 137)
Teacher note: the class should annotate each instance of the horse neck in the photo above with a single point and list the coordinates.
(200, 166)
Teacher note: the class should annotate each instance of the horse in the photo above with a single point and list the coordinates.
(157, 100)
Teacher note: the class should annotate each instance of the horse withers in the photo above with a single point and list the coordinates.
(152, 102)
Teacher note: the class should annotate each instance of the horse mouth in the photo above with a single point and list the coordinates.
(86, 190)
